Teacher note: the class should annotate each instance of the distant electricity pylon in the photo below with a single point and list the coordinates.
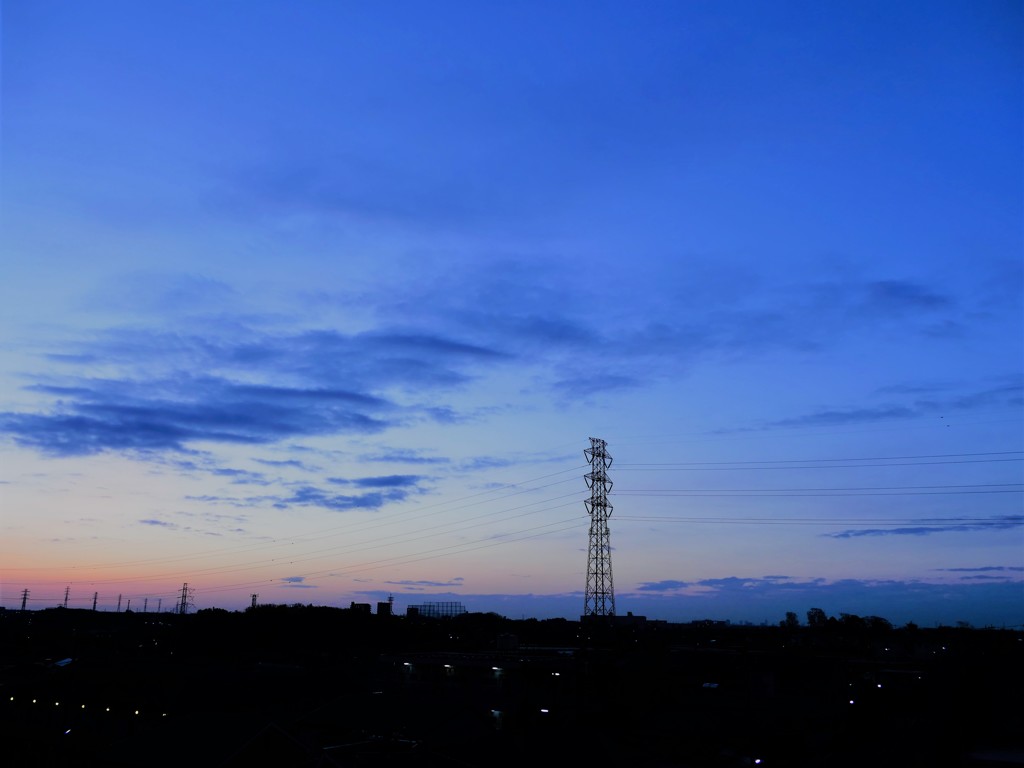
(600, 596)
(24, 598)
(186, 599)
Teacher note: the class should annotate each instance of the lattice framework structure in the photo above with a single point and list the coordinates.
(600, 592)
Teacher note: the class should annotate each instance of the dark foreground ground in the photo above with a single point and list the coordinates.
(304, 686)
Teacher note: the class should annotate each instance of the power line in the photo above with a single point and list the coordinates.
(987, 521)
(774, 465)
(345, 549)
(849, 488)
(807, 461)
(573, 522)
(349, 528)
(771, 495)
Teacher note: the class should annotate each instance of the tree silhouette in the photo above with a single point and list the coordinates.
(816, 618)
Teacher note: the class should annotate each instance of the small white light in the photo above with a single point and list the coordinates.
(879, 685)
(136, 711)
(67, 731)
(757, 761)
(83, 706)
(544, 711)
(851, 701)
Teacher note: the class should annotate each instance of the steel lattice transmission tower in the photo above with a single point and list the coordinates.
(600, 597)
(186, 599)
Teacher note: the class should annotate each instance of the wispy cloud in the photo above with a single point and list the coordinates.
(258, 388)
(384, 481)
(900, 296)
(456, 582)
(1005, 393)
(850, 416)
(999, 523)
(163, 294)
(240, 476)
(286, 464)
(158, 523)
(263, 386)
(583, 386)
(665, 585)
(985, 569)
(169, 415)
(395, 456)
(312, 496)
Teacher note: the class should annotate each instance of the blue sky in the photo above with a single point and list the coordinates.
(324, 300)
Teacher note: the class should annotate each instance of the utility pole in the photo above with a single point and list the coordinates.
(24, 598)
(145, 604)
(95, 596)
(118, 603)
(159, 604)
(255, 597)
(67, 591)
(600, 593)
(129, 608)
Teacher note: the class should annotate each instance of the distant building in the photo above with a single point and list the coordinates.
(384, 608)
(629, 620)
(436, 610)
(360, 608)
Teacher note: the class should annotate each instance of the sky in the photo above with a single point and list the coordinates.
(322, 302)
